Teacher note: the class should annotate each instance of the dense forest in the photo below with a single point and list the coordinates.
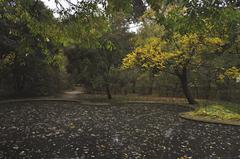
(181, 48)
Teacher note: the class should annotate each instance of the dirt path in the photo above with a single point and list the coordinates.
(72, 94)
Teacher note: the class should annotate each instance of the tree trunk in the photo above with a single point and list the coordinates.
(109, 95)
(151, 82)
(184, 83)
(208, 93)
(209, 82)
(134, 87)
(18, 82)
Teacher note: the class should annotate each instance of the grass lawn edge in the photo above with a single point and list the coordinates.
(50, 100)
(94, 102)
(205, 119)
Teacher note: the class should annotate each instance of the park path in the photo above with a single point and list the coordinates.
(56, 129)
(72, 94)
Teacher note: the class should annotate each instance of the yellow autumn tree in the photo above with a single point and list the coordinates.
(175, 55)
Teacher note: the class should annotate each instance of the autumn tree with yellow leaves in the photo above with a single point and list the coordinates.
(173, 51)
(175, 56)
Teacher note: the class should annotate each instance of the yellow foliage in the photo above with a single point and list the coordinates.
(129, 61)
(214, 41)
(152, 54)
(178, 51)
(232, 73)
(221, 77)
(8, 59)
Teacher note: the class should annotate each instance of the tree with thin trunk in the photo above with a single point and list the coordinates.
(176, 55)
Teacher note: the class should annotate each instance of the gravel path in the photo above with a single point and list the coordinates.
(70, 130)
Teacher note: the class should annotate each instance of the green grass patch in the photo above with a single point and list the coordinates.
(131, 98)
(223, 111)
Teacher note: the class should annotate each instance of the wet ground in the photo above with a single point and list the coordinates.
(70, 130)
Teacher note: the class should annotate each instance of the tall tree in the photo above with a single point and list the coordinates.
(28, 27)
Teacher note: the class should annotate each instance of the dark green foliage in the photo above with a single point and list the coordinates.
(30, 63)
(97, 69)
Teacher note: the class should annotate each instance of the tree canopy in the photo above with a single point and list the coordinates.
(91, 43)
(177, 48)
